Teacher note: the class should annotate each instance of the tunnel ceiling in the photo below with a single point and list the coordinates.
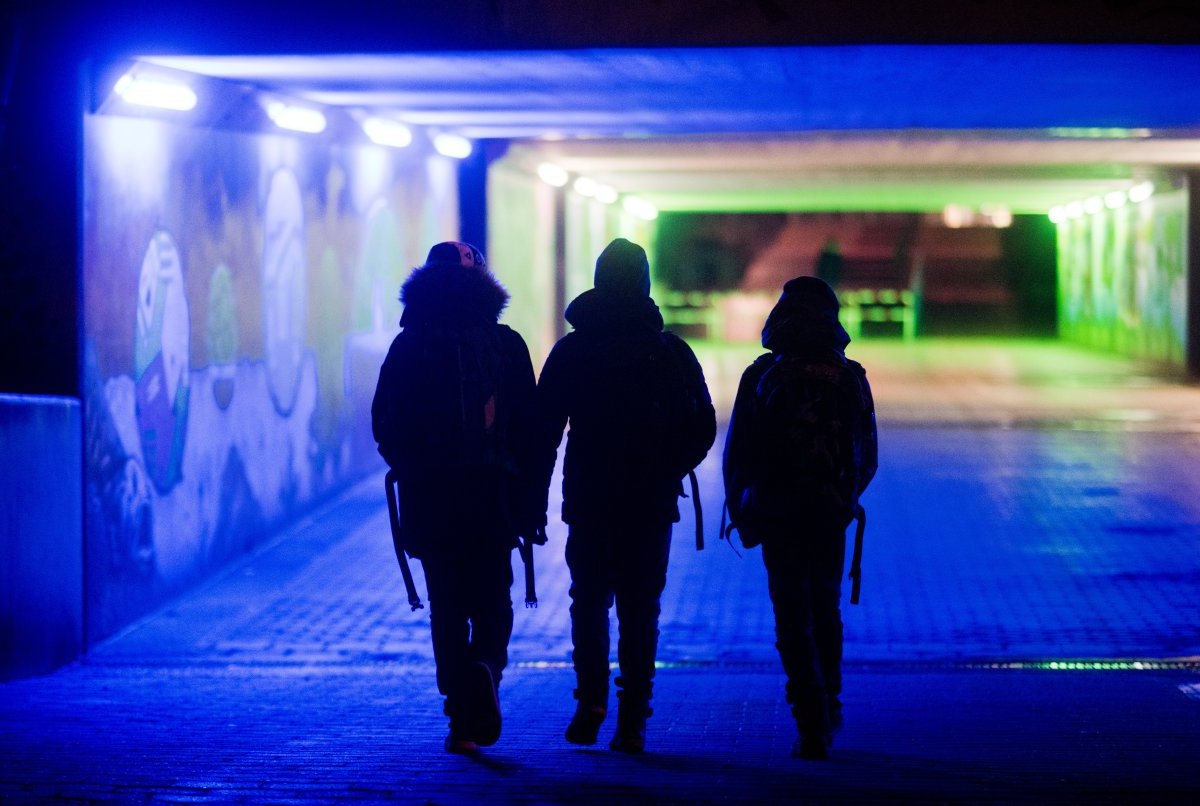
(855, 127)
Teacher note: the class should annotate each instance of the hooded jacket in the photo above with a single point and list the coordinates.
(453, 488)
(621, 462)
(807, 352)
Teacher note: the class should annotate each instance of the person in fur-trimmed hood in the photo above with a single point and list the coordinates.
(453, 416)
(640, 419)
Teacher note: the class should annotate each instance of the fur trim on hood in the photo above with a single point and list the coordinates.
(451, 296)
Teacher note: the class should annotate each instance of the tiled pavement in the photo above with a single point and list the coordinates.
(1025, 515)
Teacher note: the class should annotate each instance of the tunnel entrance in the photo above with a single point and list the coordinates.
(244, 238)
(897, 274)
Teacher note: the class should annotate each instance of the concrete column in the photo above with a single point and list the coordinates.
(560, 262)
(1192, 183)
(40, 148)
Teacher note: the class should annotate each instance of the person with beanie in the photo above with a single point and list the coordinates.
(453, 416)
(641, 419)
(800, 449)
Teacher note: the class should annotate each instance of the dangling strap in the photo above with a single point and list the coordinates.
(525, 546)
(726, 531)
(856, 561)
(390, 483)
(699, 513)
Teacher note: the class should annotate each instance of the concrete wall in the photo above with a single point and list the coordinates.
(523, 248)
(240, 292)
(41, 546)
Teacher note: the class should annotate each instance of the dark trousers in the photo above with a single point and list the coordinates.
(625, 564)
(470, 612)
(804, 576)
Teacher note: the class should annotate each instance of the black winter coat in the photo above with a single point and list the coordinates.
(453, 494)
(620, 463)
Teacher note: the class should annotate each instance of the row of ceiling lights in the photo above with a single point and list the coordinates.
(162, 93)
(558, 177)
(1109, 201)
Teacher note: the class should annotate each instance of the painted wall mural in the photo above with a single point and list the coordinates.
(240, 291)
(1123, 279)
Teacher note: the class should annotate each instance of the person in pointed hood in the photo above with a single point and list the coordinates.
(800, 449)
(453, 416)
(641, 419)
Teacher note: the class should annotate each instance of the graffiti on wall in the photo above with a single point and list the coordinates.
(240, 291)
(1123, 278)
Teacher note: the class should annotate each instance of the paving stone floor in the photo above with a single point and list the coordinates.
(1025, 518)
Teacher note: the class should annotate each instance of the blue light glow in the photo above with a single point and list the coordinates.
(156, 92)
(296, 118)
(387, 132)
(452, 145)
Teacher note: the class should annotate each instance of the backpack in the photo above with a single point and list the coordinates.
(442, 417)
(665, 407)
(676, 426)
(807, 454)
(461, 407)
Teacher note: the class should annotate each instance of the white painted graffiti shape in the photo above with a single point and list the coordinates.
(284, 287)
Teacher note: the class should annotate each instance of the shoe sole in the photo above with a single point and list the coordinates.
(461, 747)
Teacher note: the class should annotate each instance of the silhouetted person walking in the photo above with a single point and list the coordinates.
(453, 415)
(800, 450)
(641, 419)
(830, 265)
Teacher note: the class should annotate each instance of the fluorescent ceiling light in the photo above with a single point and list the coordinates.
(997, 215)
(585, 186)
(296, 118)
(1141, 191)
(606, 194)
(640, 208)
(452, 145)
(1093, 205)
(156, 92)
(957, 215)
(553, 174)
(1058, 214)
(387, 132)
(1115, 199)
(1074, 210)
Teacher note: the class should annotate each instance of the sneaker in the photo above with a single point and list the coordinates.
(461, 746)
(482, 704)
(811, 748)
(585, 725)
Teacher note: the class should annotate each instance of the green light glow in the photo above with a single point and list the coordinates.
(1099, 133)
(1020, 197)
